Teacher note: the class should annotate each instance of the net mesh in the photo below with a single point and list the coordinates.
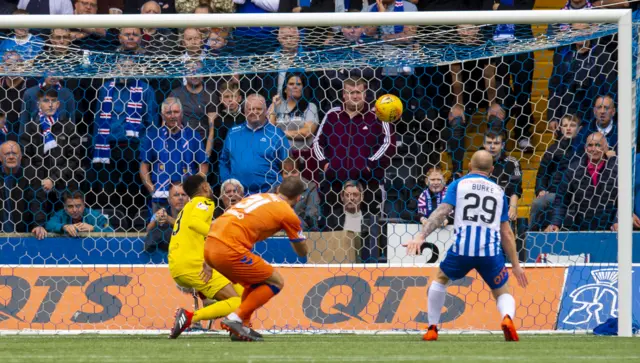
(96, 111)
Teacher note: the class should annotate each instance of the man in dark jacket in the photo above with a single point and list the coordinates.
(22, 196)
(604, 122)
(352, 144)
(555, 162)
(506, 170)
(50, 145)
(586, 199)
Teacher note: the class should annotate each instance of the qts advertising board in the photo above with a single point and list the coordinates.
(349, 298)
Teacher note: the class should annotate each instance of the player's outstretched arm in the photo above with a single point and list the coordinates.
(435, 220)
(508, 242)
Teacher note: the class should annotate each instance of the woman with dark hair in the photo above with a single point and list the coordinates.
(294, 114)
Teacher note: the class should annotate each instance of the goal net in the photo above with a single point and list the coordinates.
(102, 119)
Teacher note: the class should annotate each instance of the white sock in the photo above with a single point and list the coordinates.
(437, 293)
(506, 305)
(234, 317)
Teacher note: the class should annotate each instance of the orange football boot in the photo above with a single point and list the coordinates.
(509, 329)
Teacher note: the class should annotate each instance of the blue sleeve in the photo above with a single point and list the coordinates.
(146, 152)
(451, 196)
(225, 160)
(198, 149)
(55, 223)
(505, 210)
(152, 106)
(283, 152)
(102, 224)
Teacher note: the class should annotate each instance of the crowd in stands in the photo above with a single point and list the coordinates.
(77, 150)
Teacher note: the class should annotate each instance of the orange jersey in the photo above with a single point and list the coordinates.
(255, 219)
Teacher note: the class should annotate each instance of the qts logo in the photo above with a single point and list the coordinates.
(20, 291)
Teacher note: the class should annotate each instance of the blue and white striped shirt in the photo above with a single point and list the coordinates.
(480, 207)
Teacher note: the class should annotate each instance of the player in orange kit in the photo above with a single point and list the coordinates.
(231, 238)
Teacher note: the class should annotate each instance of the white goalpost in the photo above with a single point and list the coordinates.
(626, 97)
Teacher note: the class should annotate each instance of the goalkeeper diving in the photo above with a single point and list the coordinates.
(186, 259)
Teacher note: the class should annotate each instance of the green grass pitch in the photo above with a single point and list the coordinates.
(318, 349)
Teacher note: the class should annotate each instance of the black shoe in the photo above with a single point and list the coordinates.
(238, 330)
(252, 332)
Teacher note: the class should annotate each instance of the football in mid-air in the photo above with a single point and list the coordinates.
(388, 108)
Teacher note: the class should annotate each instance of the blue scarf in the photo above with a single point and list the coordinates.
(425, 207)
(46, 122)
(102, 149)
(398, 7)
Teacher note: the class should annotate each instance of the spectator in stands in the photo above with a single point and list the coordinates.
(577, 5)
(581, 71)
(47, 7)
(390, 32)
(193, 45)
(307, 206)
(352, 144)
(131, 41)
(294, 114)
(170, 153)
(217, 41)
(506, 170)
(87, 7)
(433, 196)
(125, 108)
(230, 117)
(135, 6)
(12, 91)
(253, 153)
(604, 122)
(158, 41)
(51, 145)
(22, 42)
(232, 193)
(274, 83)
(76, 218)
(512, 76)
(586, 199)
(554, 163)
(65, 97)
(198, 103)
(22, 195)
(59, 42)
(160, 226)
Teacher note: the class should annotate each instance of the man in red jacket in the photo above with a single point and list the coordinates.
(352, 144)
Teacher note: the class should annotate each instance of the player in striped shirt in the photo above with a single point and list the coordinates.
(482, 230)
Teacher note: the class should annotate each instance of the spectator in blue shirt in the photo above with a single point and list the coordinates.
(76, 218)
(170, 153)
(253, 152)
(23, 42)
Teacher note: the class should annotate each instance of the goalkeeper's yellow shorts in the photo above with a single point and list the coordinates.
(209, 289)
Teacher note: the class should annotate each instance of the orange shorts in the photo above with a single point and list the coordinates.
(244, 268)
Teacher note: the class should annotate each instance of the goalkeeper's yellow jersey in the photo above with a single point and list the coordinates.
(186, 250)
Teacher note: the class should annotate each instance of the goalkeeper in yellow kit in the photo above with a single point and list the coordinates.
(186, 259)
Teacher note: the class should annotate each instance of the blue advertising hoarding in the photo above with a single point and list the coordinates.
(590, 297)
